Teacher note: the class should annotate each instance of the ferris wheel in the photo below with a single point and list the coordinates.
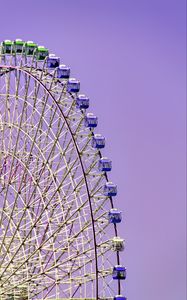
(58, 220)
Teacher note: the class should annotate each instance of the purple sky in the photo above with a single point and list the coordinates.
(130, 59)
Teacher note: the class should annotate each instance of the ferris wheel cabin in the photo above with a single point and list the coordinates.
(53, 61)
(63, 72)
(30, 48)
(105, 164)
(118, 244)
(114, 216)
(98, 141)
(7, 46)
(18, 46)
(91, 120)
(119, 272)
(82, 102)
(41, 53)
(110, 189)
(73, 85)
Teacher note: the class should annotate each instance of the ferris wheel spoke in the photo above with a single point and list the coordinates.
(75, 279)
(86, 251)
(55, 232)
(11, 169)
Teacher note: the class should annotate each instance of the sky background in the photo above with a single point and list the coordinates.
(130, 59)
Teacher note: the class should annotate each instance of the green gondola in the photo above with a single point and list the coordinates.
(18, 46)
(30, 48)
(41, 53)
(7, 47)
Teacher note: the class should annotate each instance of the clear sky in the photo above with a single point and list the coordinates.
(130, 59)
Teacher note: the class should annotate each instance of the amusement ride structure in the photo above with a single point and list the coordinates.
(58, 221)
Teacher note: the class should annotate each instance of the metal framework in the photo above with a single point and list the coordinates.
(55, 237)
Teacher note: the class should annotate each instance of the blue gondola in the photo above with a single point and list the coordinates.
(119, 272)
(110, 189)
(114, 216)
(82, 102)
(73, 85)
(98, 141)
(63, 72)
(53, 61)
(91, 120)
(119, 297)
(105, 164)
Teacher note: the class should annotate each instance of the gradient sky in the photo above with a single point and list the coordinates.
(130, 59)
